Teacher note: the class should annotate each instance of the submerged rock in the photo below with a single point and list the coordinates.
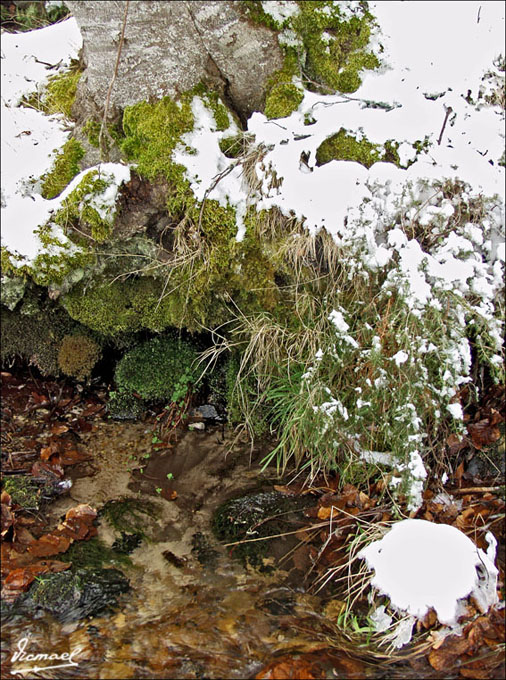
(73, 595)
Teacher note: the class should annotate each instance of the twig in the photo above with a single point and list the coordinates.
(478, 489)
(108, 97)
(447, 115)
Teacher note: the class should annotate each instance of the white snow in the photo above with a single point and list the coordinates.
(31, 140)
(419, 565)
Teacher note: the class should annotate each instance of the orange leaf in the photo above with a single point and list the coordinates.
(59, 428)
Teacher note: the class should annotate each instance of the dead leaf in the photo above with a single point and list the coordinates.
(483, 433)
(59, 428)
(444, 657)
(49, 544)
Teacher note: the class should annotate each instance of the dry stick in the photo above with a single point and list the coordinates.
(108, 97)
(478, 489)
(447, 115)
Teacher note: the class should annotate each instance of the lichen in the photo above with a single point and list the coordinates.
(65, 168)
(12, 290)
(78, 355)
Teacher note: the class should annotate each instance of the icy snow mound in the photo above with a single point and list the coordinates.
(420, 565)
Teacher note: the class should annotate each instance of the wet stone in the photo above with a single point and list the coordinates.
(201, 548)
(127, 543)
(73, 595)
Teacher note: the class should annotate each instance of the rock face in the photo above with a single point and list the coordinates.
(171, 46)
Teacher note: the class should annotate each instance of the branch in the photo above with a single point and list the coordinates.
(101, 143)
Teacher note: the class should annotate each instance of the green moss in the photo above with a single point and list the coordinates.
(345, 147)
(77, 210)
(160, 369)
(34, 331)
(123, 405)
(282, 95)
(92, 130)
(233, 146)
(128, 515)
(78, 355)
(93, 553)
(336, 49)
(61, 92)
(65, 168)
(332, 49)
(24, 491)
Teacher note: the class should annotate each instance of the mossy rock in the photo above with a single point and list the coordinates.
(75, 594)
(344, 147)
(160, 369)
(255, 515)
(78, 355)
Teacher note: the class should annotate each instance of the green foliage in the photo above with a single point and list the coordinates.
(65, 168)
(234, 146)
(31, 15)
(78, 355)
(159, 369)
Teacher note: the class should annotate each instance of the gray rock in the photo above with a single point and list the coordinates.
(170, 47)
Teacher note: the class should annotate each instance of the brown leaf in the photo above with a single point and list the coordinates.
(289, 668)
(59, 428)
(443, 658)
(455, 444)
(49, 544)
(7, 518)
(73, 456)
(483, 433)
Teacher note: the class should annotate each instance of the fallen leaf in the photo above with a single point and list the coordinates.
(59, 428)
(483, 433)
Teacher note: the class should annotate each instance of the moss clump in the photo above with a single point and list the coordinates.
(282, 95)
(128, 515)
(61, 92)
(93, 553)
(92, 130)
(77, 208)
(65, 168)
(345, 147)
(34, 331)
(24, 491)
(124, 406)
(78, 355)
(160, 369)
(335, 47)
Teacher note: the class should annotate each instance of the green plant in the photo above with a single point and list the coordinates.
(159, 369)
(170, 475)
(65, 168)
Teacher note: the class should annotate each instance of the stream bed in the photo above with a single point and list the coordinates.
(193, 610)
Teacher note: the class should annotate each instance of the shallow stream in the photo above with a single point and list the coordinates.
(193, 610)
